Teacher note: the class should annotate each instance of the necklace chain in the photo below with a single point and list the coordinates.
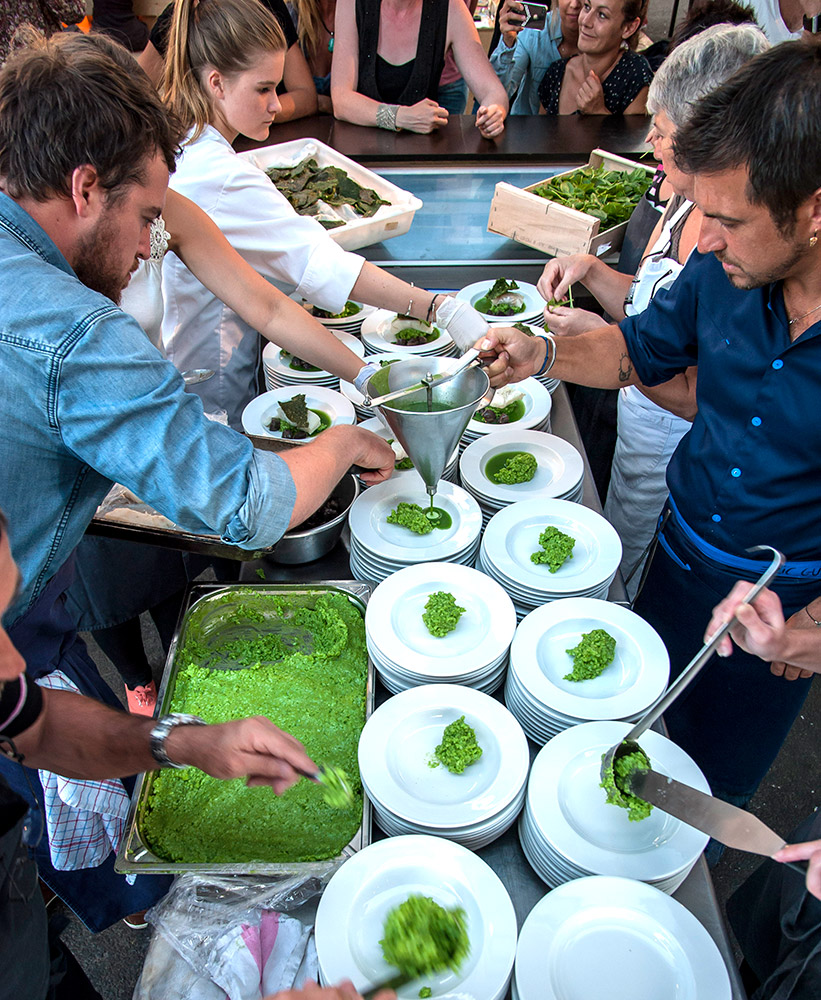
(809, 312)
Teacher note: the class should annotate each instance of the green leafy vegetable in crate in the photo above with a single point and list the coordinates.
(608, 195)
(306, 184)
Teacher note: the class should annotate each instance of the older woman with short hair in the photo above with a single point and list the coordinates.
(651, 422)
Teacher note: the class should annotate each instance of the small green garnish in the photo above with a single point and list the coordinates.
(296, 411)
(260, 573)
(524, 328)
(336, 788)
(412, 517)
(614, 784)
(351, 309)
(486, 303)
(556, 548)
(414, 335)
(423, 938)
(425, 991)
(458, 748)
(519, 468)
(442, 613)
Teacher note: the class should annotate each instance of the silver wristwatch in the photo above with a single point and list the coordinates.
(159, 735)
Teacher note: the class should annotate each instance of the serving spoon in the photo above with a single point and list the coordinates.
(195, 375)
(688, 675)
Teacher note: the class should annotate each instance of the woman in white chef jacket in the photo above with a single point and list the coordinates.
(225, 58)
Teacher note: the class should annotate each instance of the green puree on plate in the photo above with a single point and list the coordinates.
(412, 517)
(459, 748)
(516, 467)
(556, 548)
(594, 653)
(442, 613)
(617, 794)
(314, 690)
(422, 938)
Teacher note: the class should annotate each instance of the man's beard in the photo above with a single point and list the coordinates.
(92, 263)
(747, 280)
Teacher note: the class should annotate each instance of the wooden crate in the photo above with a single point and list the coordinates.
(553, 228)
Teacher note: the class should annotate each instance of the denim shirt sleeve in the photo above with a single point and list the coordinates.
(121, 408)
(662, 341)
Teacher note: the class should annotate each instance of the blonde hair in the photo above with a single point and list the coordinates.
(309, 26)
(226, 35)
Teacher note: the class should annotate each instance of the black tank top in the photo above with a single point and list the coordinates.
(426, 68)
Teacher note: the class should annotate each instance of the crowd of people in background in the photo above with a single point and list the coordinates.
(712, 352)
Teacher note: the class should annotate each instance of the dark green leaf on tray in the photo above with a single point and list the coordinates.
(305, 184)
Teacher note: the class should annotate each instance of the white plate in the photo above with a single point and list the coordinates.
(344, 321)
(637, 676)
(394, 622)
(534, 303)
(279, 366)
(259, 411)
(376, 335)
(513, 535)
(640, 942)
(396, 751)
(369, 512)
(537, 404)
(569, 810)
(351, 916)
(560, 466)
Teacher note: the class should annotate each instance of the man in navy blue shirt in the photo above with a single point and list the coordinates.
(747, 310)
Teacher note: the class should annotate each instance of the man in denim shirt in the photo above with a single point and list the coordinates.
(85, 155)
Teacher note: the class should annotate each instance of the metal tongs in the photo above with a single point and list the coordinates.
(691, 671)
(468, 360)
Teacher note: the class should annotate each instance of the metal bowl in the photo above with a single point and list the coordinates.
(305, 546)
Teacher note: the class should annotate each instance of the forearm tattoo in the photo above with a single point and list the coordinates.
(625, 368)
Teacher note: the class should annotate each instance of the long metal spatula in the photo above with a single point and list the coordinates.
(691, 671)
(728, 824)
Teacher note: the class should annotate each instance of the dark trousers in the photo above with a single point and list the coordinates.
(733, 719)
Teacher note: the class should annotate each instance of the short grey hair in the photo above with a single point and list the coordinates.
(699, 66)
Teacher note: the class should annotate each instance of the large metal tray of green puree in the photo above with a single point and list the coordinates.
(208, 609)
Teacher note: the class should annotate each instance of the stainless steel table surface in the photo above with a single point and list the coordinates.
(505, 855)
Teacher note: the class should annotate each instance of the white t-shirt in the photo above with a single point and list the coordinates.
(768, 15)
(292, 251)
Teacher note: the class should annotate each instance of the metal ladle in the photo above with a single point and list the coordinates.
(688, 675)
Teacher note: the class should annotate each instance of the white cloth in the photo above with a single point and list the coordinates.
(647, 433)
(292, 251)
(768, 15)
(142, 297)
(85, 819)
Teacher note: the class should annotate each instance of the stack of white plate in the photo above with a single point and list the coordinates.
(258, 412)
(537, 403)
(378, 339)
(532, 314)
(512, 536)
(550, 383)
(450, 472)
(348, 324)
(560, 472)
(349, 390)
(379, 549)
(350, 918)
(568, 829)
(404, 652)
(409, 795)
(619, 938)
(545, 703)
(277, 365)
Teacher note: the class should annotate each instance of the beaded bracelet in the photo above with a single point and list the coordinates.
(813, 620)
(549, 341)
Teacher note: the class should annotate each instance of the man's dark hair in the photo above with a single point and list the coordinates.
(765, 118)
(65, 102)
(703, 14)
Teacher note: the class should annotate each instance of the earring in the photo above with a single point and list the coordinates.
(813, 239)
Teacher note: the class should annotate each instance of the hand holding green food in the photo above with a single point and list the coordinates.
(568, 322)
(253, 748)
(561, 272)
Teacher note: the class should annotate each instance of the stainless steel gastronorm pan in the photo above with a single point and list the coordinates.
(202, 600)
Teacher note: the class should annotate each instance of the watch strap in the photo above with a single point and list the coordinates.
(162, 729)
